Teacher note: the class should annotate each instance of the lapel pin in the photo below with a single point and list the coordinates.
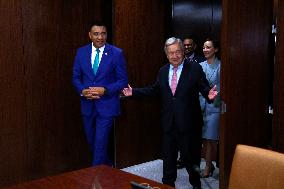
(106, 54)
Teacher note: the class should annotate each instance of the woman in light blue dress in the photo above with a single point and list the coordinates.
(211, 112)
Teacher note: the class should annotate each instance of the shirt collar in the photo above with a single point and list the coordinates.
(101, 48)
(179, 66)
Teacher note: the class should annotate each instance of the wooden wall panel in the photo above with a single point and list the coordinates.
(12, 95)
(11, 68)
(45, 92)
(13, 157)
(52, 32)
(41, 128)
(246, 28)
(278, 117)
(139, 30)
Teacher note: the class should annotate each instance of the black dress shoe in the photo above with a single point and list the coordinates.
(197, 187)
(170, 184)
(180, 165)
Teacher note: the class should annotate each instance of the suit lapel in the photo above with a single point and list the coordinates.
(165, 78)
(104, 60)
(88, 54)
(183, 75)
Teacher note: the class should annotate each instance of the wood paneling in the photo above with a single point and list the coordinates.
(139, 30)
(12, 69)
(41, 129)
(12, 96)
(278, 117)
(48, 26)
(13, 157)
(246, 28)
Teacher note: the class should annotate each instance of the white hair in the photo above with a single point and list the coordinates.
(173, 40)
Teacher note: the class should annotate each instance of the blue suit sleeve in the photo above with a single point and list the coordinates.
(77, 74)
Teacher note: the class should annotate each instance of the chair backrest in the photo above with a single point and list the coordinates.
(256, 168)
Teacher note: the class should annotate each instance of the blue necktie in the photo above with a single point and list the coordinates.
(96, 62)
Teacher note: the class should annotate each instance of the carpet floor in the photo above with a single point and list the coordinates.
(153, 170)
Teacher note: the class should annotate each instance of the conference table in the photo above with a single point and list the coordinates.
(99, 177)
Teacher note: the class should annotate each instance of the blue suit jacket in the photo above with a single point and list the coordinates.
(111, 75)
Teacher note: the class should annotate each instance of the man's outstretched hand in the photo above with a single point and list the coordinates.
(127, 91)
(213, 93)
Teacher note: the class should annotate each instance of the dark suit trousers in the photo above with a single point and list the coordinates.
(97, 130)
(189, 146)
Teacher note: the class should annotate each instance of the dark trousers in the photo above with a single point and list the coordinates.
(97, 130)
(189, 145)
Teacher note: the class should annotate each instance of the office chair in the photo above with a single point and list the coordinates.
(256, 168)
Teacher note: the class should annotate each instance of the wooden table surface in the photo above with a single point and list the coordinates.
(99, 177)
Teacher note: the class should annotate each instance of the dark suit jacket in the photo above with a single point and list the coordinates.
(183, 107)
(198, 58)
(111, 74)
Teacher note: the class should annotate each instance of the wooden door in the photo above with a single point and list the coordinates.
(199, 19)
(278, 116)
(246, 27)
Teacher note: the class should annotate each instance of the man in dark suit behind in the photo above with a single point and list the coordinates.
(178, 85)
(99, 74)
(190, 50)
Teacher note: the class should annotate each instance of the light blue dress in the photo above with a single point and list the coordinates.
(211, 112)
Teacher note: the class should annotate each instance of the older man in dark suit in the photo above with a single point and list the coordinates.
(178, 85)
(190, 55)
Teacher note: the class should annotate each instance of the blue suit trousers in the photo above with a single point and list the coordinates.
(97, 130)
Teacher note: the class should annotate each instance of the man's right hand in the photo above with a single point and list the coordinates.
(90, 95)
(127, 91)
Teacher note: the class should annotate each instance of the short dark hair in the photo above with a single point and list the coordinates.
(98, 23)
(192, 37)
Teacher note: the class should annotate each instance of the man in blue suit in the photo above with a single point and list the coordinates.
(99, 74)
